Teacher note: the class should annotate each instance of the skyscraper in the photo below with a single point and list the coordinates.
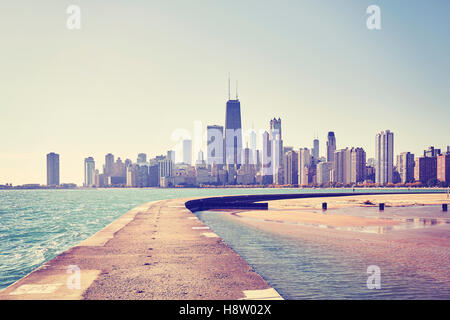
(109, 165)
(291, 168)
(384, 154)
(405, 166)
(358, 165)
(187, 151)
(342, 166)
(233, 132)
(89, 172)
(277, 150)
(267, 170)
(253, 146)
(215, 147)
(142, 158)
(323, 173)
(315, 150)
(331, 146)
(53, 169)
(304, 162)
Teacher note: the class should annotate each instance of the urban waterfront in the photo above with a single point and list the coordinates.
(37, 225)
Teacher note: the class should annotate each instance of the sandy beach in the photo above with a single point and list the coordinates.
(422, 252)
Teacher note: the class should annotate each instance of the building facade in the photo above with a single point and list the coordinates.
(384, 155)
(53, 169)
(405, 167)
(89, 172)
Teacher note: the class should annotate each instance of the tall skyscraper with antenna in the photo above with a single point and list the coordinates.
(315, 149)
(233, 129)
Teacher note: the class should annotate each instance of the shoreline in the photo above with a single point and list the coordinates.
(177, 257)
(174, 257)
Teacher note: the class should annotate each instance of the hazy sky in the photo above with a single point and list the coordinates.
(138, 70)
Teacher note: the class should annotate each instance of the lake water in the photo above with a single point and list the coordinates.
(37, 225)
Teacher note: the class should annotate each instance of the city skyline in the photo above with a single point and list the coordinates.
(351, 80)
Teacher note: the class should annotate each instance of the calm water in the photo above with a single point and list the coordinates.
(305, 270)
(37, 225)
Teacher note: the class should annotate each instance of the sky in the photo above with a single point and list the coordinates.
(138, 73)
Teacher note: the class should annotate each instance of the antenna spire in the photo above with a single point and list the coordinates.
(236, 90)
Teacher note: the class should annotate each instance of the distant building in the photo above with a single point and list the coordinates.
(331, 146)
(171, 156)
(405, 167)
(132, 176)
(443, 168)
(277, 150)
(267, 169)
(315, 150)
(153, 175)
(323, 173)
(233, 132)
(109, 165)
(187, 151)
(431, 152)
(142, 158)
(291, 168)
(425, 169)
(342, 166)
(165, 168)
(215, 146)
(253, 145)
(89, 172)
(384, 154)
(304, 162)
(358, 165)
(53, 169)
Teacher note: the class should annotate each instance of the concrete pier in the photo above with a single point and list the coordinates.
(158, 250)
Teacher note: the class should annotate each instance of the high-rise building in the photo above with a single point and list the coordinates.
(315, 150)
(187, 151)
(384, 154)
(323, 173)
(291, 167)
(109, 164)
(132, 176)
(405, 166)
(266, 169)
(89, 172)
(443, 168)
(53, 169)
(277, 150)
(304, 162)
(331, 146)
(171, 155)
(142, 158)
(165, 168)
(253, 144)
(425, 169)
(153, 175)
(233, 132)
(342, 166)
(215, 146)
(358, 165)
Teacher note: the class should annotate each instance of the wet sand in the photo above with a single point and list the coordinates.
(422, 252)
